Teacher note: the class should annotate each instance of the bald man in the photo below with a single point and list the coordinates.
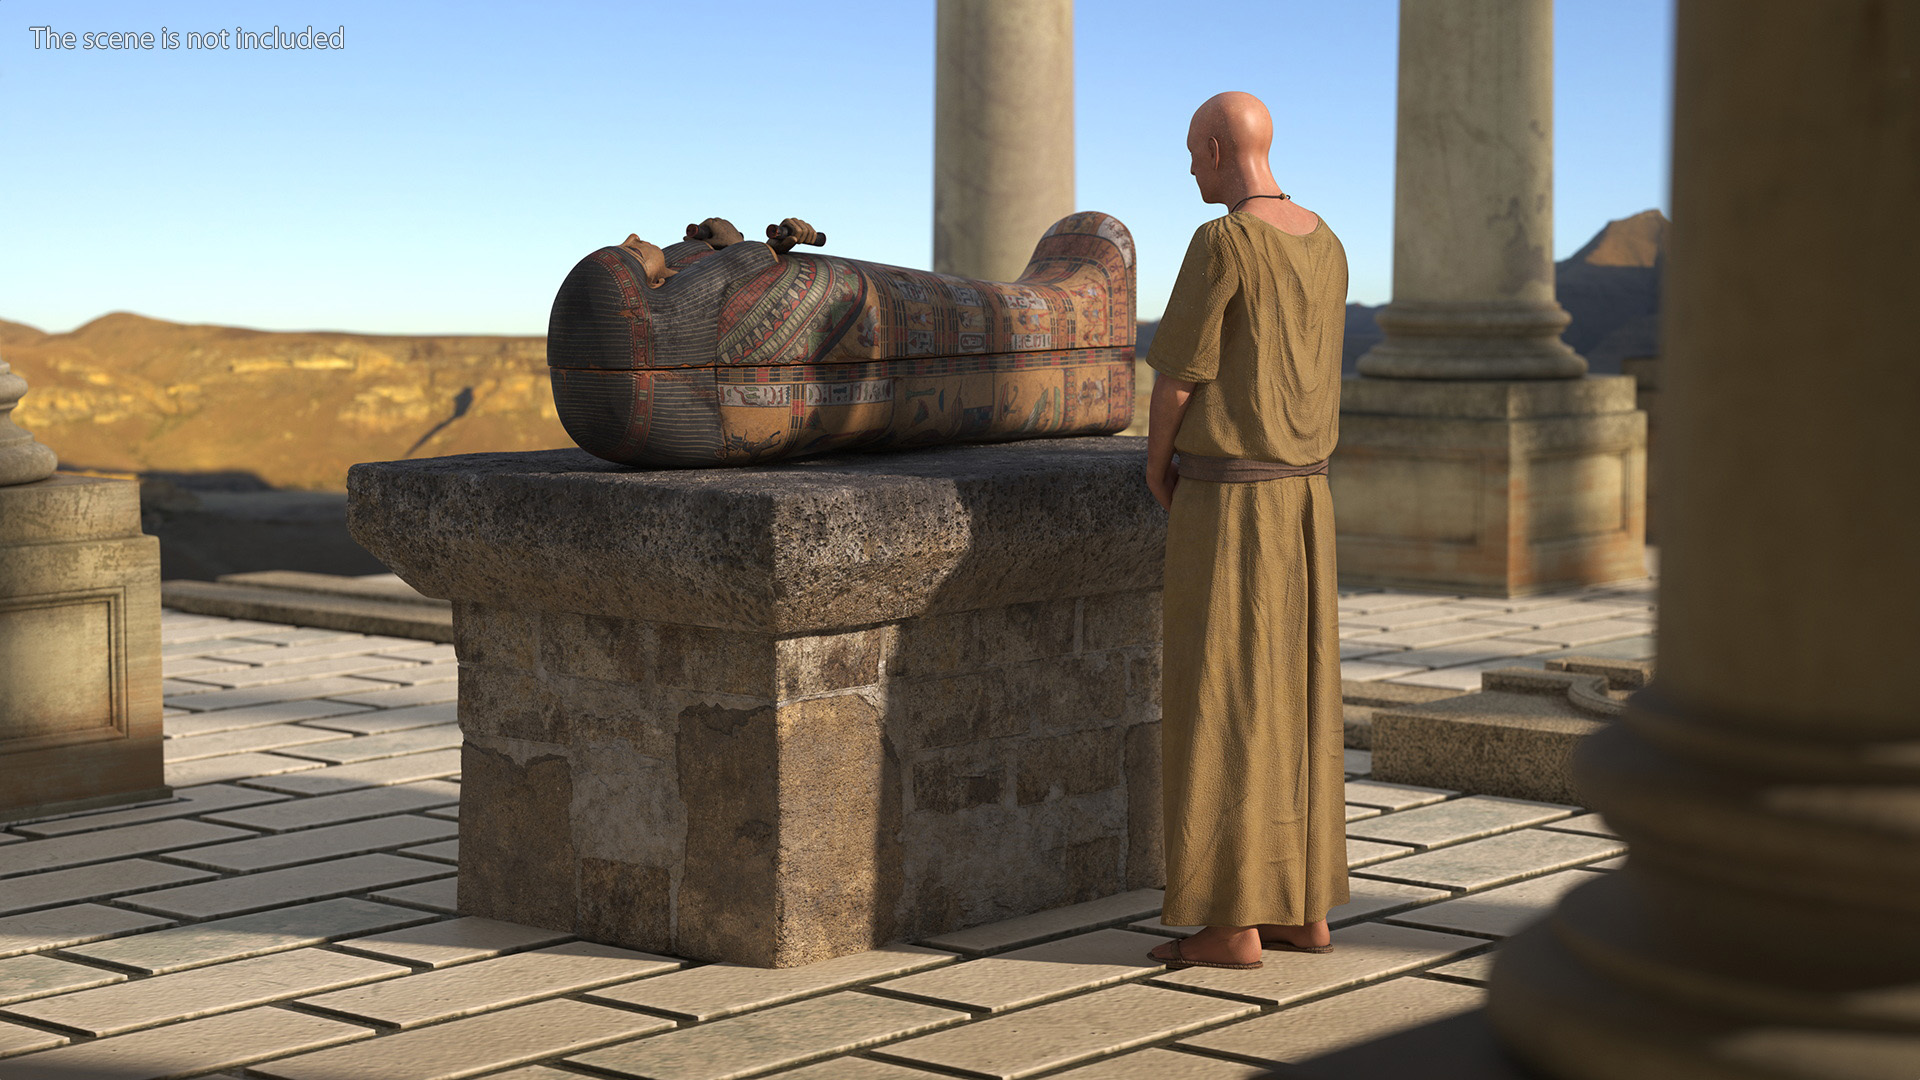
(1247, 391)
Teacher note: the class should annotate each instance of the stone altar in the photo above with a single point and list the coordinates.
(774, 715)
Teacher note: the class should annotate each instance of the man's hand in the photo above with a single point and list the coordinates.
(1164, 413)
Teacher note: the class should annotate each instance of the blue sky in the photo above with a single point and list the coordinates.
(442, 173)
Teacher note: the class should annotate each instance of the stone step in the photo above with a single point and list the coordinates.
(349, 607)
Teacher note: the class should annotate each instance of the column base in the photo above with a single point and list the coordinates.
(1454, 341)
(1492, 488)
(79, 647)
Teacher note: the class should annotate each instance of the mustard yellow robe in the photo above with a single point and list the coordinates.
(1250, 692)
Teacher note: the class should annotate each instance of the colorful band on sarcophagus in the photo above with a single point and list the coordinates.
(747, 356)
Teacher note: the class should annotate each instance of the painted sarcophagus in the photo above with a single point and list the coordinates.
(725, 351)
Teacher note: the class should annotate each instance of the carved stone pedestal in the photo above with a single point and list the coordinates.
(1496, 488)
(775, 715)
(79, 648)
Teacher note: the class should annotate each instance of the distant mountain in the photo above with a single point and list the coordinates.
(1611, 287)
(134, 394)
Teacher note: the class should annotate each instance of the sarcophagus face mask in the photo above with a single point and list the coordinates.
(714, 353)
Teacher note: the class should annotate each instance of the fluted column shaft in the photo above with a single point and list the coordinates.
(1768, 921)
(1473, 197)
(1003, 132)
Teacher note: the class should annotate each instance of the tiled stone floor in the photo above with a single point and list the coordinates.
(289, 913)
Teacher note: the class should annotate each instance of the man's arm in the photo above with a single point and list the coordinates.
(1164, 413)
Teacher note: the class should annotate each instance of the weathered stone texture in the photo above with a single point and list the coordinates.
(843, 703)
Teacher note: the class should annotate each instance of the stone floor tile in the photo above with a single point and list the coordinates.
(1034, 974)
(21, 1039)
(217, 770)
(180, 667)
(475, 1045)
(1496, 860)
(446, 851)
(312, 881)
(711, 991)
(395, 697)
(380, 721)
(1474, 969)
(51, 928)
(187, 725)
(23, 978)
(1391, 600)
(769, 1039)
(178, 688)
(328, 648)
(1355, 813)
(1466, 677)
(251, 696)
(1407, 618)
(269, 674)
(1367, 852)
(1321, 1027)
(1607, 864)
(1393, 796)
(438, 895)
(284, 636)
(1457, 820)
(1500, 912)
(97, 881)
(1633, 648)
(203, 991)
(1472, 652)
(157, 952)
(1360, 648)
(245, 740)
(454, 941)
(1370, 899)
(189, 1049)
(451, 813)
(534, 1072)
(1361, 954)
(1583, 634)
(289, 815)
(55, 852)
(312, 845)
(188, 628)
(842, 1068)
(1159, 1064)
(423, 651)
(386, 771)
(1058, 922)
(1359, 762)
(392, 744)
(1358, 631)
(419, 675)
(1593, 824)
(1375, 670)
(1426, 637)
(466, 989)
(1063, 1033)
(1549, 615)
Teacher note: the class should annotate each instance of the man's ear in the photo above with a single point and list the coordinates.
(1213, 151)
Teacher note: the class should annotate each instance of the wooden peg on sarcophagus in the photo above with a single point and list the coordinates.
(755, 352)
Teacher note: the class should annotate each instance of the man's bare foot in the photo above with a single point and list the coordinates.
(1312, 935)
(1216, 945)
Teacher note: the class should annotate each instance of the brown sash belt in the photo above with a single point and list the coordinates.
(1227, 470)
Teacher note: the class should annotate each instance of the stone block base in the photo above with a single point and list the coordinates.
(1515, 737)
(771, 716)
(79, 648)
(1490, 488)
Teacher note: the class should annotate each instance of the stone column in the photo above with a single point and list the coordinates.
(79, 634)
(1003, 132)
(1473, 198)
(1767, 923)
(1473, 457)
(771, 715)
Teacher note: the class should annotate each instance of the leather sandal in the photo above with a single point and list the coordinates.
(1179, 961)
(1288, 946)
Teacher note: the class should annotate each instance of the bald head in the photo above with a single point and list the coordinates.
(1229, 139)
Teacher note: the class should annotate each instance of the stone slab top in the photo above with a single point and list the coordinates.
(836, 541)
(1488, 399)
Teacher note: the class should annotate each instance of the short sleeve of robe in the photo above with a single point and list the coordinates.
(1187, 343)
